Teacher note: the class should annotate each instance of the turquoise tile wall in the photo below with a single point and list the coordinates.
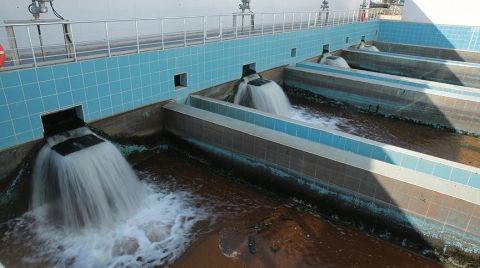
(451, 171)
(108, 86)
(434, 35)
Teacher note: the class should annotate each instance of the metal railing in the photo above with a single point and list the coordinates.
(35, 44)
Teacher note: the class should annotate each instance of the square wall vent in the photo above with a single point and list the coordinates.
(180, 80)
(249, 69)
(64, 120)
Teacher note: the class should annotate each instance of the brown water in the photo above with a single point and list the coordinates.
(248, 226)
(257, 228)
(425, 139)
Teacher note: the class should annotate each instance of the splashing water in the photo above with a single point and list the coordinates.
(91, 210)
(366, 47)
(268, 97)
(330, 60)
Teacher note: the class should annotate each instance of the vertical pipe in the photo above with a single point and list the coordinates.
(185, 32)
(31, 47)
(136, 32)
(108, 39)
(315, 20)
(309, 18)
(283, 23)
(162, 36)
(73, 44)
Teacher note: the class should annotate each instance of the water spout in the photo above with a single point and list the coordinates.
(335, 61)
(264, 95)
(366, 47)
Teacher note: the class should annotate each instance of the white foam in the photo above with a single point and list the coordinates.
(157, 234)
(310, 116)
(268, 97)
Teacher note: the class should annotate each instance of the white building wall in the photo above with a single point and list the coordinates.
(111, 9)
(458, 12)
(75, 10)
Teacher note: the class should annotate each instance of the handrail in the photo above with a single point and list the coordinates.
(104, 40)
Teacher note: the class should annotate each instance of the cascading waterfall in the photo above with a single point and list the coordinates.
(94, 186)
(91, 210)
(335, 61)
(366, 47)
(256, 92)
(263, 95)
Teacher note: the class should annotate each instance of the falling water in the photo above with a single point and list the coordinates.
(94, 186)
(366, 47)
(330, 60)
(268, 97)
(91, 210)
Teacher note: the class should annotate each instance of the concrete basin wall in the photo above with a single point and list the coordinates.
(429, 52)
(402, 196)
(435, 107)
(456, 73)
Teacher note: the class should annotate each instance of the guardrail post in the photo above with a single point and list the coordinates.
(162, 34)
(136, 33)
(204, 29)
(263, 21)
(31, 47)
(293, 20)
(235, 30)
(273, 28)
(108, 39)
(73, 44)
(220, 25)
(185, 32)
(309, 18)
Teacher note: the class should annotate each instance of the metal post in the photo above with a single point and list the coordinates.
(108, 39)
(185, 32)
(333, 21)
(315, 20)
(309, 18)
(73, 44)
(235, 25)
(293, 20)
(283, 23)
(273, 29)
(204, 29)
(161, 29)
(250, 28)
(31, 46)
(136, 32)
(263, 21)
(220, 25)
(301, 20)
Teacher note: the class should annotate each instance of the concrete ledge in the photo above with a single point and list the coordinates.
(430, 52)
(320, 167)
(451, 72)
(451, 110)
